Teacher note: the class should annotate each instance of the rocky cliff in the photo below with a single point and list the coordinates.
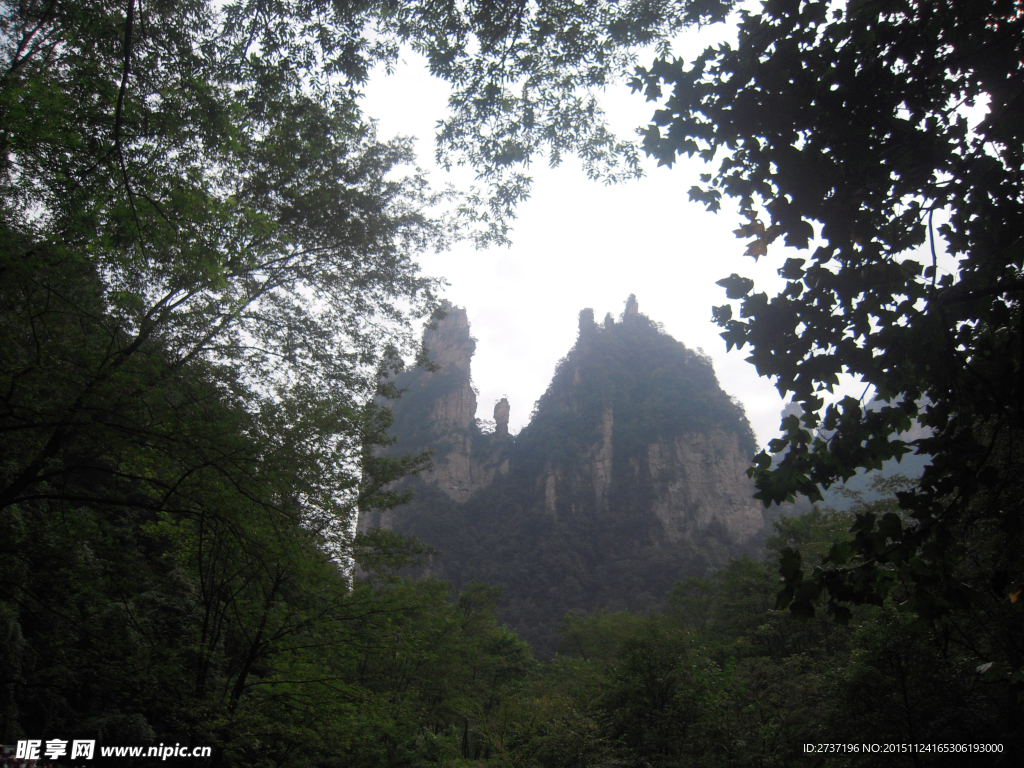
(631, 473)
(437, 413)
(635, 425)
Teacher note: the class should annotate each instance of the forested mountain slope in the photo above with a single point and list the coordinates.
(629, 476)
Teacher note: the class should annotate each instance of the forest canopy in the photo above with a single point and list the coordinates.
(206, 258)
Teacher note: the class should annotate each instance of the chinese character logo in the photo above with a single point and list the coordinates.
(82, 749)
(28, 750)
(56, 748)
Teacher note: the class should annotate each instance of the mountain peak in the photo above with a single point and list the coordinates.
(632, 466)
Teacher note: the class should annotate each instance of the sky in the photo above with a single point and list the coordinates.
(577, 243)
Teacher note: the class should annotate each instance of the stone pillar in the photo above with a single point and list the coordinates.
(587, 325)
(501, 411)
(632, 308)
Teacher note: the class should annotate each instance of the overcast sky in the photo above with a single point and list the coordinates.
(580, 244)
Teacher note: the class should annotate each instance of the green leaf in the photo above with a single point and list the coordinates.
(736, 287)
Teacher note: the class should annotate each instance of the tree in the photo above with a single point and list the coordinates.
(205, 261)
(206, 265)
(653, 696)
(526, 78)
(801, 104)
(851, 119)
(208, 180)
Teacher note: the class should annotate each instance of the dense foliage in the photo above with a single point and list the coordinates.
(169, 584)
(203, 250)
(848, 122)
(723, 678)
(170, 194)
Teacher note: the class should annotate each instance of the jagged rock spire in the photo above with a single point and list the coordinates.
(501, 412)
(632, 307)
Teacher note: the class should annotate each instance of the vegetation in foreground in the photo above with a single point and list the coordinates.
(245, 637)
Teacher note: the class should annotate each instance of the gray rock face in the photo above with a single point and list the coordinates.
(450, 347)
(689, 484)
(700, 479)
